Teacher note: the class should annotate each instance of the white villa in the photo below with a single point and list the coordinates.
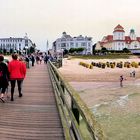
(66, 42)
(15, 44)
(118, 41)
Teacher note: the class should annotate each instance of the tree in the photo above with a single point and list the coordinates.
(32, 49)
(65, 52)
(71, 50)
(79, 49)
(103, 50)
(125, 50)
(93, 49)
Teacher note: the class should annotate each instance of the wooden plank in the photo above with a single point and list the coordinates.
(35, 115)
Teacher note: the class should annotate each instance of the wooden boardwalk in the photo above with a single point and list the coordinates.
(35, 115)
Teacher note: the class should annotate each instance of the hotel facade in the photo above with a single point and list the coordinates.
(119, 41)
(66, 42)
(12, 44)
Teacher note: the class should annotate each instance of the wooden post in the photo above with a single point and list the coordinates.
(75, 112)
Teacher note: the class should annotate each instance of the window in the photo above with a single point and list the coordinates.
(71, 44)
(63, 44)
(83, 44)
(63, 39)
(26, 42)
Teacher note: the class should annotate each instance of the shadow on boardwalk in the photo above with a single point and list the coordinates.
(35, 115)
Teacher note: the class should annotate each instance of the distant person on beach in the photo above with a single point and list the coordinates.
(17, 70)
(4, 76)
(121, 81)
(134, 74)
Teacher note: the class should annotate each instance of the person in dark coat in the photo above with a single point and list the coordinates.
(4, 76)
(32, 59)
(46, 58)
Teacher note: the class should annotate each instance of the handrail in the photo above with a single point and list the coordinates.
(71, 108)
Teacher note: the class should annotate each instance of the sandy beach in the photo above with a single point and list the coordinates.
(116, 108)
(98, 85)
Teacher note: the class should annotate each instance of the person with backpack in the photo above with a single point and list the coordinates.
(17, 71)
(4, 76)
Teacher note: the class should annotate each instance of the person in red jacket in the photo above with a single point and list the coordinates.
(17, 71)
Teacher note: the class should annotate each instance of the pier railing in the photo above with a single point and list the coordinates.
(78, 121)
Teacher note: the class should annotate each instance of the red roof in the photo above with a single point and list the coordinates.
(108, 38)
(118, 28)
(127, 39)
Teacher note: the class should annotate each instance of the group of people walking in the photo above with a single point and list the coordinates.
(38, 58)
(13, 71)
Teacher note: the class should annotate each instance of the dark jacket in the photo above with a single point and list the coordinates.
(4, 75)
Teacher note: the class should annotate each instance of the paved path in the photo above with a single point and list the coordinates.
(35, 115)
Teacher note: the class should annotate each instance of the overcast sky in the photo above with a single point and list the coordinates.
(45, 20)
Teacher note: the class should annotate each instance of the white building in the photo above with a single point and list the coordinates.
(66, 42)
(15, 44)
(118, 41)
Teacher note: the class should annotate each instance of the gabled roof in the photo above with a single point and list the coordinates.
(108, 38)
(118, 28)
